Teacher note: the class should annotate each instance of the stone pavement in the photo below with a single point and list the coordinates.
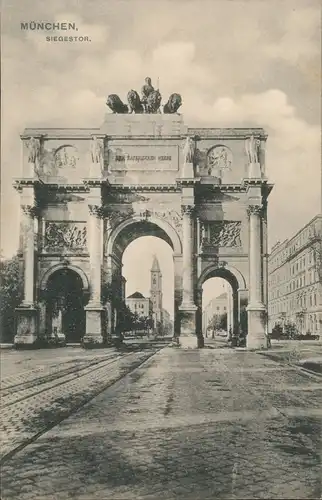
(198, 424)
(33, 401)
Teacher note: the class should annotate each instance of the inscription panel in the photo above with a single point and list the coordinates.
(151, 158)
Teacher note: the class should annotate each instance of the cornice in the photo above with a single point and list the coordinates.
(260, 182)
(144, 187)
(188, 181)
(227, 133)
(60, 133)
(66, 188)
(142, 137)
(57, 256)
(18, 184)
(95, 182)
(220, 188)
(200, 132)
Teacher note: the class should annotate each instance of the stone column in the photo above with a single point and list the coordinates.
(229, 314)
(256, 337)
(29, 254)
(188, 308)
(95, 252)
(27, 313)
(187, 275)
(94, 309)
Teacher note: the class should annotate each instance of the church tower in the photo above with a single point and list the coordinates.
(156, 290)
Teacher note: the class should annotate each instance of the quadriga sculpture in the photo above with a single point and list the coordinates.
(135, 105)
(173, 104)
(153, 102)
(115, 104)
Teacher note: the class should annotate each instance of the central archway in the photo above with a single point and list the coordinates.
(130, 229)
(125, 234)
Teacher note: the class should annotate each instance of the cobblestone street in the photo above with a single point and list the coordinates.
(211, 423)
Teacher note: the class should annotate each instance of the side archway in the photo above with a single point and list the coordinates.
(239, 293)
(58, 267)
(62, 302)
(230, 273)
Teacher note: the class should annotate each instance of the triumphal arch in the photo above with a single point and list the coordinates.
(85, 194)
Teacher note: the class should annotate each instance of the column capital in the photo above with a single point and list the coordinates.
(30, 210)
(96, 210)
(187, 209)
(255, 210)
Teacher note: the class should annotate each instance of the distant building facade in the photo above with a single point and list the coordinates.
(295, 281)
(216, 306)
(139, 304)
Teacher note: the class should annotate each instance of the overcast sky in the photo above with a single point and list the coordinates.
(236, 63)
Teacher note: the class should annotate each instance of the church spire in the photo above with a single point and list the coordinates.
(155, 265)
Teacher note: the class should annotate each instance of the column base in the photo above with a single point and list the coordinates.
(27, 325)
(94, 324)
(188, 332)
(256, 336)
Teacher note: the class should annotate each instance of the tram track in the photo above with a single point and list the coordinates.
(55, 371)
(23, 421)
(68, 374)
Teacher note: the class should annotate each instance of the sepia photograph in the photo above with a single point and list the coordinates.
(161, 250)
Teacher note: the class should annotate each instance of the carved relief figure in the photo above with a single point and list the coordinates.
(219, 159)
(65, 157)
(33, 146)
(252, 146)
(223, 234)
(189, 150)
(24, 326)
(171, 216)
(97, 150)
(229, 235)
(115, 216)
(63, 235)
(173, 104)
